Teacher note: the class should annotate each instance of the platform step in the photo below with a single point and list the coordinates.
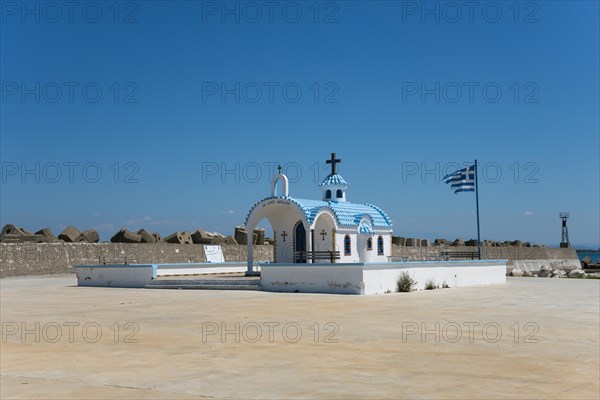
(205, 282)
(212, 286)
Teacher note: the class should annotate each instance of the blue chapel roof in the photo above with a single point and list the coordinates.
(346, 214)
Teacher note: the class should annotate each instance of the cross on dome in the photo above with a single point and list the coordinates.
(334, 186)
(333, 161)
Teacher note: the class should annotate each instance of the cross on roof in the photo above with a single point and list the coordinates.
(279, 168)
(333, 161)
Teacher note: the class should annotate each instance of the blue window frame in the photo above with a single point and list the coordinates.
(339, 194)
(328, 194)
(370, 244)
(380, 245)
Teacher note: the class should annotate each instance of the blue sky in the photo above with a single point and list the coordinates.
(172, 115)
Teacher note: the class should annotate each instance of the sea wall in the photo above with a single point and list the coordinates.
(20, 259)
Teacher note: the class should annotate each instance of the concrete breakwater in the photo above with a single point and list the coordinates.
(22, 259)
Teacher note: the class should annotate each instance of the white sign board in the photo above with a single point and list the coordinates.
(213, 253)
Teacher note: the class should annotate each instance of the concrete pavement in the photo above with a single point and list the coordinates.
(531, 338)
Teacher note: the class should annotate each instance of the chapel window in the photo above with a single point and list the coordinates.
(347, 246)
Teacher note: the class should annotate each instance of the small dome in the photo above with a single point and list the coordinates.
(334, 180)
(334, 188)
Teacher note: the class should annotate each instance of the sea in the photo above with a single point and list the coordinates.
(594, 256)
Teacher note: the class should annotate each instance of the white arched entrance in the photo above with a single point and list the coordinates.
(324, 232)
(284, 216)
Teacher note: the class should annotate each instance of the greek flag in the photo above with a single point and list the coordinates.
(462, 180)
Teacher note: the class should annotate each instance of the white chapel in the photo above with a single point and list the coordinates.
(330, 230)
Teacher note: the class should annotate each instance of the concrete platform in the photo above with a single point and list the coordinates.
(169, 344)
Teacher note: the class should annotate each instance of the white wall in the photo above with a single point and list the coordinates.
(359, 248)
(313, 278)
(354, 256)
(126, 276)
(377, 278)
(130, 276)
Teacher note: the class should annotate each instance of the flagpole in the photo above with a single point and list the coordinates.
(477, 206)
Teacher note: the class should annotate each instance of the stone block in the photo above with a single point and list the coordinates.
(46, 232)
(25, 231)
(559, 273)
(396, 240)
(471, 242)
(240, 235)
(424, 243)
(577, 273)
(458, 242)
(517, 243)
(442, 242)
(260, 236)
(125, 236)
(70, 234)
(157, 236)
(230, 240)
(200, 236)
(187, 238)
(203, 237)
(11, 229)
(90, 236)
(179, 238)
(216, 238)
(545, 272)
(146, 236)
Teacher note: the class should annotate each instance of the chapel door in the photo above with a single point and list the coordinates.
(300, 242)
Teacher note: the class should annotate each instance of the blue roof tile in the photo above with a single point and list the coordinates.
(347, 214)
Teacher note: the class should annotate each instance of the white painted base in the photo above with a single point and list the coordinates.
(125, 276)
(374, 278)
(138, 275)
(354, 278)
